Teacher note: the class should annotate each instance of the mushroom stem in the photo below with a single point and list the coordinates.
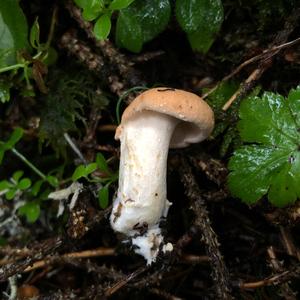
(141, 199)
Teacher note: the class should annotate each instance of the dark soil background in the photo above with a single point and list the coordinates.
(223, 249)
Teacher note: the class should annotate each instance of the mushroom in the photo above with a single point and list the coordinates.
(156, 120)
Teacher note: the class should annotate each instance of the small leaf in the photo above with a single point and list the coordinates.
(90, 168)
(4, 184)
(34, 37)
(14, 138)
(102, 27)
(9, 195)
(52, 180)
(92, 9)
(78, 173)
(36, 187)
(24, 184)
(119, 4)
(201, 20)
(31, 210)
(101, 163)
(83, 171)
(103, 196)
(17, 175)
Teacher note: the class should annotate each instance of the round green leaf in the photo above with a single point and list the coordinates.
(102, 27)
(24, 184)
(17, 175)
(31, 210)
(9, 195)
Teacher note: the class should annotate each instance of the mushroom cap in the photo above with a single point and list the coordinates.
(196, 116)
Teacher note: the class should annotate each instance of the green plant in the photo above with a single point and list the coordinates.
(16, 185)
(101, 11)
(269, 162)
(107, 178)
(140, 21)
(21, 59)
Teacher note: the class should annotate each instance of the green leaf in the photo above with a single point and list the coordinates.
(17, 175)
(119, 4)
(201, 20)
(83, 171)
(271, 164)
(34, 37)
(102, 27)
(90, 168)
(4, 184)
(129, 32)
(103, 196)
(36, 187)
(9, 195)
(141, 22)
(52, 180)
(101, 163)
(92, 9)
(24, 184)
(13, 29)
(78, 173)
(31, 210)
(14, 138)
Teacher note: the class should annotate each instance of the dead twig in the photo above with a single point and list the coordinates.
(38, 253)
(117, 286)
(73, 255)
(272, 280)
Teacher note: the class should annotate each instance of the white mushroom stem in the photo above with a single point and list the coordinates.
(141, 199)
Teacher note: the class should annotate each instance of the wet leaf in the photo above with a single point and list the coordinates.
(141, 22)
(271, 163)
(201, 20)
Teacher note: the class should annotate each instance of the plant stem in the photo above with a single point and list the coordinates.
(28, 163)
(13, 67)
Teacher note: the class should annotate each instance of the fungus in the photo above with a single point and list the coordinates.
(156, 120)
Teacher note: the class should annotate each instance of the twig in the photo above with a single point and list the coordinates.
(122, 63)
(47, 247)
(277, 267)
(74, 255)
(202, 222)
(289, 243)
(272, 280)
(110, 291)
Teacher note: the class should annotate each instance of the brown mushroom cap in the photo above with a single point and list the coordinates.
(196, 115)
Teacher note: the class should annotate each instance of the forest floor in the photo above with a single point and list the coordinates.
(223, 248)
